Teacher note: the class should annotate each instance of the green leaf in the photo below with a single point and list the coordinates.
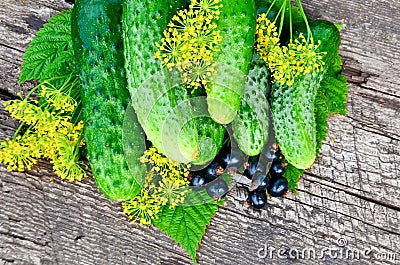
(187, 223)
(334, 86)
(63, 65)
(321, 116)
(50, 42)
(292, 175)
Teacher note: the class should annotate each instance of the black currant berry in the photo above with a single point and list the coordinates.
(277, 169)
(197, 180)
(272, 155)
(262, 182)
(278, 187)
(213, 171)
(217, 189)
(224, 157)
(257, 199)
(252, 167)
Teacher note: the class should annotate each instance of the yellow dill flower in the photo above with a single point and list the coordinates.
(197, 73)
(212, 7)
(57, 98)
(164, 166)
(297, 59)
(286, 63)
(191, 37)
(23, 110)
(16, 154)
(50, 135)
(267, 36)
(143, 207)
(170, 192)
(303, 56)
(66, 163)
(280, 65)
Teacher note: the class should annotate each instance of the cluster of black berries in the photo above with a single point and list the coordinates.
(263, 183)
(270, 183)
(209, 176)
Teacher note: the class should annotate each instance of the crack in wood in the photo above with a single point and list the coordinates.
(344, 214)
(338, 187)
(368, 128)
(34, 22)
(11, 48)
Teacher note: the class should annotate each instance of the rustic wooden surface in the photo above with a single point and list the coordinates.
(351, 196)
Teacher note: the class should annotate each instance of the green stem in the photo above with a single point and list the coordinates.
(18, 130)
(77, 144)
(270, 7)
(281, 10)
(309, 33)
(290, 21)
(31, 92)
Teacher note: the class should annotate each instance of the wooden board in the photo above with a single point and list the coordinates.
(348, 202)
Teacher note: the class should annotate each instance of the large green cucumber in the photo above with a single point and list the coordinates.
(98, 46)
(237, 25)
(251, 125)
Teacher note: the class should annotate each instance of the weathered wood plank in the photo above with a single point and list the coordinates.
(351, 192)
(371, 37)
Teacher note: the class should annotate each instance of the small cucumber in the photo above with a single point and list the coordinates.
(293, 107)
(294, 119)
(98, 47)
(251, 125)
(237, 25)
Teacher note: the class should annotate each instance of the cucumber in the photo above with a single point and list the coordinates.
(98, 47)
(237, 25)
(143, 25)
(251, 125)
(293, 107)
(294, 119)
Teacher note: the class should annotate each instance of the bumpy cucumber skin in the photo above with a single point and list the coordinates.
(237, 25)
(97, 38)
(251, 125)
(143, 24)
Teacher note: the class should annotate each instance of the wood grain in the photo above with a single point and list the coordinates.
(351, 193)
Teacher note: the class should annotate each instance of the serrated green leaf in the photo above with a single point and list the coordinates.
(50, 42)
(321, 116)
(292, 175)
(187, 223)
(63, 65)
(335, 89)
